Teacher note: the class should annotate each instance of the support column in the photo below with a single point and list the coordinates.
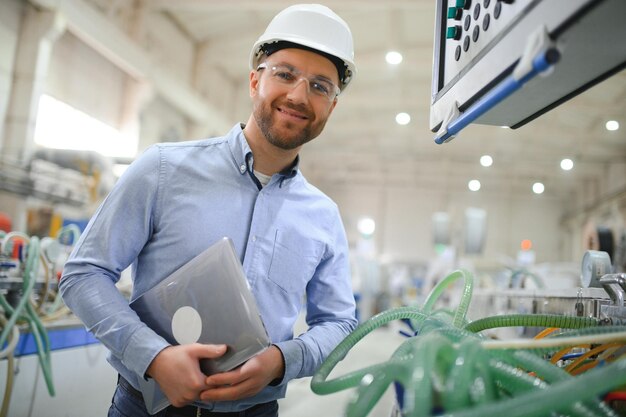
(39, 31)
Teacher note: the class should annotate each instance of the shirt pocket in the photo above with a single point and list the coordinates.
(294, 261)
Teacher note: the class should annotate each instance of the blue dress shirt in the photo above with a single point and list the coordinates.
(176, 200)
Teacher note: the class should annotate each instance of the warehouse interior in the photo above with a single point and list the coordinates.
(88, 85)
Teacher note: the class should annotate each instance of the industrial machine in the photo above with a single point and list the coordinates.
(43, 348)
(486, 50)
(571, 363)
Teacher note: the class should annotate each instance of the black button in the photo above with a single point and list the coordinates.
(467, 4)
(466, 43)
(467, 22)
(486, 21)
(486, 3)
(477, 11)
(457, 53)
(497, 10)
(475, 33)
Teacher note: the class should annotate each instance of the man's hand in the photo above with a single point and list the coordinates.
(247, 380)
(177, 370)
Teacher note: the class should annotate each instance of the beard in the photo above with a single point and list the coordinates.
(292, 137)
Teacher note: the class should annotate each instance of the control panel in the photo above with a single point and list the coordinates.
(471, 25)
(479, 43)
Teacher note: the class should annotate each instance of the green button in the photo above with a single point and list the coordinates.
(455, 13)
(454, 32)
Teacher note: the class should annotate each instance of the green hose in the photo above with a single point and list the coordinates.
(25, 310)
(466, 296)
(539, 403)
(319, 385)
(551, 373)
(469, 381)
(529, 320)
(450, 368)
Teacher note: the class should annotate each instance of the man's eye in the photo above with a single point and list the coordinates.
(284, 75)
(321, 88)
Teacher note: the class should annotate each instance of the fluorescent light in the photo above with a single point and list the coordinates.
(473, 185)
(486, 160)
(567, 164)
(366, 226)
(612, 125)
(538, 188)
(403, 118)
(393, 57)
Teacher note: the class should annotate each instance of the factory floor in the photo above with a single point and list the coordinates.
(375, 348)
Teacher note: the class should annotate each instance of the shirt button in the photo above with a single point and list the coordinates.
(254, 238)
(242, 168)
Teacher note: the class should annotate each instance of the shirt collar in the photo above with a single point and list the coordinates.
(243, 154)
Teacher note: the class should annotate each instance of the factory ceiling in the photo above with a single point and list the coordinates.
(363, 144)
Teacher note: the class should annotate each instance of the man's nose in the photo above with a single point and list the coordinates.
(299, 91)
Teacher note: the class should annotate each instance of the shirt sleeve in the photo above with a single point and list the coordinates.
(330, 311)
(112, 240)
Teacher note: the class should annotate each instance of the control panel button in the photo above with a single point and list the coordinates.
(466, 43)
(477, 11)
(454, 32)
(455, 13)
(465, 4)
(497, 10)
(486, 21)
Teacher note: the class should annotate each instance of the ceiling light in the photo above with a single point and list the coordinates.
(567, 164)
(486, 160)
(612, 125)
(403, 118)
(473, 185)
(393, 57)
(366, 226)
(538, 188)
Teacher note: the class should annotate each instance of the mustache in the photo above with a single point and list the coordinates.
(299, 108)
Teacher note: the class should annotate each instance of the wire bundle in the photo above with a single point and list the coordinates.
(30, 309)
(450, 369)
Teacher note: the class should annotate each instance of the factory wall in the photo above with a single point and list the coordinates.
(404, 228)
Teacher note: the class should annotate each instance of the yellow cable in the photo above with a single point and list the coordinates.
(546, 332)
(599, 349)
(584, 368)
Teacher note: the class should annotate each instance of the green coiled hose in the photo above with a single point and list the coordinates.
(25, 310)
(448, 367)
(320, 386)
(539, 403)
(530, 320)
(466, 296)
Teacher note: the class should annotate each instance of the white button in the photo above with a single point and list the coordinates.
(254, 238)
(242, 168)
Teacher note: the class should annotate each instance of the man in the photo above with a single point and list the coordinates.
(179, 198)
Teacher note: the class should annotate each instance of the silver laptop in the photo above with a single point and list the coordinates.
(207, 300)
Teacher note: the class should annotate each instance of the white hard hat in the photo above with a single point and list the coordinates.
(312, 26)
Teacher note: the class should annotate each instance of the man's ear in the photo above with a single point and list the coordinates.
(254, 83)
